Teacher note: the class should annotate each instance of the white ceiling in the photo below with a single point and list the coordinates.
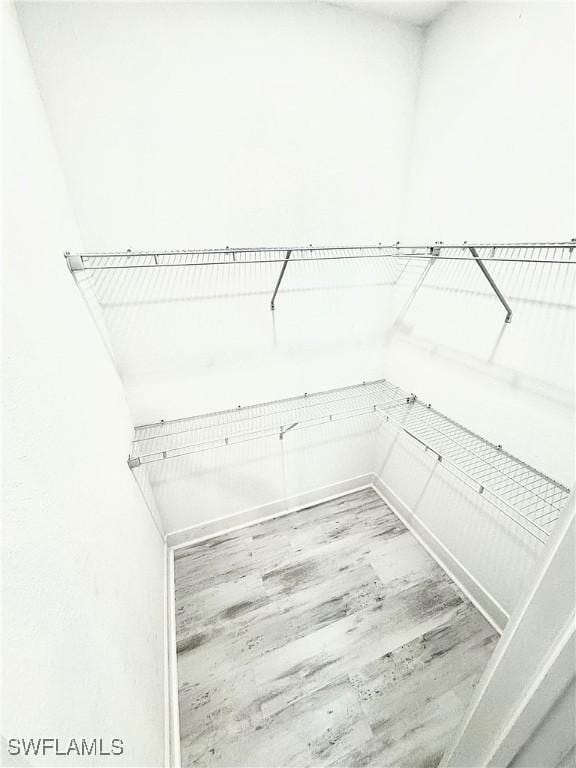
(419, 13)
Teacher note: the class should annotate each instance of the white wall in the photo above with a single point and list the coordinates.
(82, 561)
(194, 340)
(190, 124)
(494, 140)
(268, 473)
(493, 161)
(206, 124)
(511, 383)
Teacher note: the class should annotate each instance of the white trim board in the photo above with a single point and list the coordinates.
(488, 606)
(229, 523)
(173, 713)
(167, 664)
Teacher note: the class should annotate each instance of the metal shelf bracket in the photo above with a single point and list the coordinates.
(280, 276)
(488, 276)
(74, 261)
(283, 430)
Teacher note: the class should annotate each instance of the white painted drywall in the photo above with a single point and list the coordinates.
(82, 561)
(494, 140)
(492, 160)
(511, 383)
(194, 340)
(206, 486)
(206, 124)
(553, 734)
(194, 125)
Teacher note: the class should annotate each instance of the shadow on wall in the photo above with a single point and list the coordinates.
(150, 313)
(542, 300)
(179, 353)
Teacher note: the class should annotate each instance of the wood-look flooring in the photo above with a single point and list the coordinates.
(327, 637)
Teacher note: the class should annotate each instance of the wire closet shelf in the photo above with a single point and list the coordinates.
(482, 254)
(547, 253)
(523, 494)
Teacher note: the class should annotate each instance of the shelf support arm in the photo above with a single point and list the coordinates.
(495, 288)
(280, 276)
(434, 253)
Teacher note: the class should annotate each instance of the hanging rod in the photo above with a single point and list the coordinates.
(260, 255)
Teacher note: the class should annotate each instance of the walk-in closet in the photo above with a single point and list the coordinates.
(289, 410)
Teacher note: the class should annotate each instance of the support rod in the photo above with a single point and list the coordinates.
(280, 276)
(495, 288)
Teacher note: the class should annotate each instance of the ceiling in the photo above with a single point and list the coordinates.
(418, 13)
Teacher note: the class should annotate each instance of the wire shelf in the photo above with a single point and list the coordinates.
(166, 275)
(519, 491)
(155, 442)
(550, 253)
(522, 493)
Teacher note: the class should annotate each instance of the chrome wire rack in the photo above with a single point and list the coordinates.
(481, 254)
(549, 253)
(519, 491)
(167, 439)
(522, 493)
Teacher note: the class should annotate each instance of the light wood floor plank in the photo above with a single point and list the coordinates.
(328, 636)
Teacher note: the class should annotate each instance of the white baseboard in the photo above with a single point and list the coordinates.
(476, 593)
(172, 705)
(167, 662)
(208, 530)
